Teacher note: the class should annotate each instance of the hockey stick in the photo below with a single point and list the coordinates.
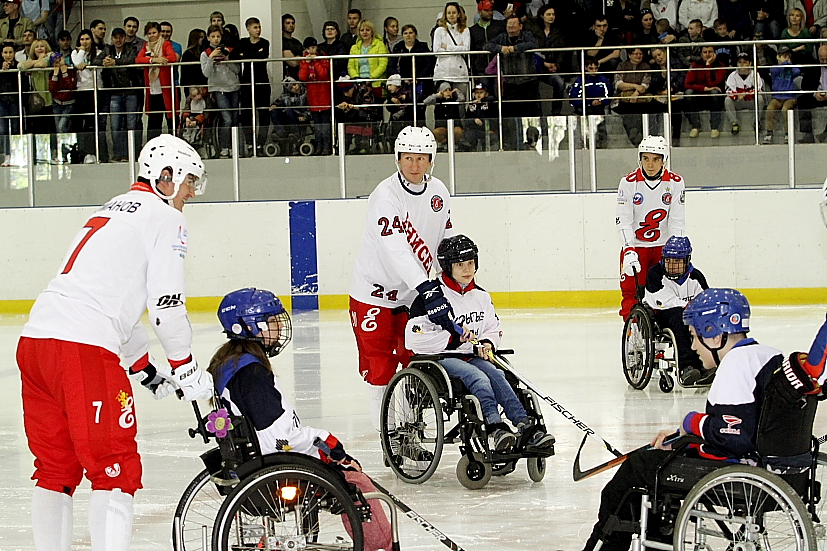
(424, 524)
(579, 475)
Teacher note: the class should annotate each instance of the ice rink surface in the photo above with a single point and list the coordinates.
(572, 355)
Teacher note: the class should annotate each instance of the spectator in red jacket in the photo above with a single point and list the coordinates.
(158, 54)
(63, 85)
(705, 91)
(316, 72)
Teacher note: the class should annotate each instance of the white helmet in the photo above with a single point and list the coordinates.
(415, 139)
(653, 144)
(822, 203)
(167, 151)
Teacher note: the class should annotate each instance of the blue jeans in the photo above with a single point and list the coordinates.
(63, 120)
(488, 384)
(124, 112)
(227, 104)
(9, 123)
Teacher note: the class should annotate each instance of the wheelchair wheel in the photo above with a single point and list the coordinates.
(474, 473)
(743, 508)
(288, 507)
(412, 426)
(196, 511)
(638, 348)
(536, 468)
(666, 383)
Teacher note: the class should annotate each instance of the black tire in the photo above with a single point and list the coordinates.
(310, 515)
(668, 337)
(753, 509)
(666, 383)
(197, 508)
(474, 473)
(536, 468)
(637, 348)
(413, 429)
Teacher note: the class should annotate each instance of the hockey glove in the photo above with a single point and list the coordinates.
(437, 306)
(194, 382)
(792, 382)
(145, 373)
(631, 263)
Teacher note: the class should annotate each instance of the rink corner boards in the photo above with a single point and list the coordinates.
(516, 300)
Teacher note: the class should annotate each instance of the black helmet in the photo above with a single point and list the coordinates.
(456, 249)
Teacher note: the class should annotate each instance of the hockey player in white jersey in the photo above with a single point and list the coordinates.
(78, 409)
(670, 285)
(409, 214)
(650, 209)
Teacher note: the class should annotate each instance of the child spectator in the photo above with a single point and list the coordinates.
(597, 90)
(356, 103)
(446, 103)
(399, 103)
(670, 285)
(193, 115)
(289, 112)
(476, 318)
(62, 86)
(223, 83)
(259, 328)
(783, 88)
(706, 81)
(316, 73)
(725, 54)
(9, 107)
(741, 86)
(665, 32)
(694, 34)
(480, 121)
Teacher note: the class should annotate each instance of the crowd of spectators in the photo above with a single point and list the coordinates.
(597, 62)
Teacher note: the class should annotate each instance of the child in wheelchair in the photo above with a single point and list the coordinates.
(259, 328)
(744, 392)
(670, 285)
(476, 319)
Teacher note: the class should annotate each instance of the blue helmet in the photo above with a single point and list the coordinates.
(245, 313)
(717, 311)
(678, 248)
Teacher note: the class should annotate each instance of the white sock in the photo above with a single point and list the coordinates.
(110, 520)
(51, 520)
(375, 393)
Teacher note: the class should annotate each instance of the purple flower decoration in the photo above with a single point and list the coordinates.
(218, 423)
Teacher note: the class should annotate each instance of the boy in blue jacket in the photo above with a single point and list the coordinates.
(783, 90)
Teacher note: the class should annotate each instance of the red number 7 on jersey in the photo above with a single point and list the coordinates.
(94, 224)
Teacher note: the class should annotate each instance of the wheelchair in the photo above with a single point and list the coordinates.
(646, 346)
(418, 403)
(246, 500)
(705, 505)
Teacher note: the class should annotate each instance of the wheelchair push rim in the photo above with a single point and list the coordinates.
(743, 508)
(288, 507)
(638, 348)
(412, 426)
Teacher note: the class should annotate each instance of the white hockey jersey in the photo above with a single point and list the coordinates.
(663, 292)
(404, 226)
(127, 258)
(737, 83)
(650, 212)
(473, 310)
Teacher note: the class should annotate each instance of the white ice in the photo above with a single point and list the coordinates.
(572, 355)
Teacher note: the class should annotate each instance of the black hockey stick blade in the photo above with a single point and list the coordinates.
(579, 474)
(413, 515)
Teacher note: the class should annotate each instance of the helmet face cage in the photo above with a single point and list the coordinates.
(245, 314)
(458, 248)
(677, 249)
(718, 311)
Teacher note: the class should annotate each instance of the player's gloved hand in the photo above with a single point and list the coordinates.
(194, 381)
(631, 262)
(792, 382)
(437, 306)
(145, 372)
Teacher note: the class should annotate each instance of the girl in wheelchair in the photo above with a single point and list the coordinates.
(475, 320)
(744, 391)
(670, 285)
(259, 328)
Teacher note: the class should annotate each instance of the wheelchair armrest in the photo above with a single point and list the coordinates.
(437, 357)
(685, 440)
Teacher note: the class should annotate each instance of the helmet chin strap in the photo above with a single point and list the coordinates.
(715, 350)
(652, 178)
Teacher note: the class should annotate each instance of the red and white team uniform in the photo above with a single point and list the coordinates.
(737, 83)
(78, 407)
(649, 212)
(404, 226)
